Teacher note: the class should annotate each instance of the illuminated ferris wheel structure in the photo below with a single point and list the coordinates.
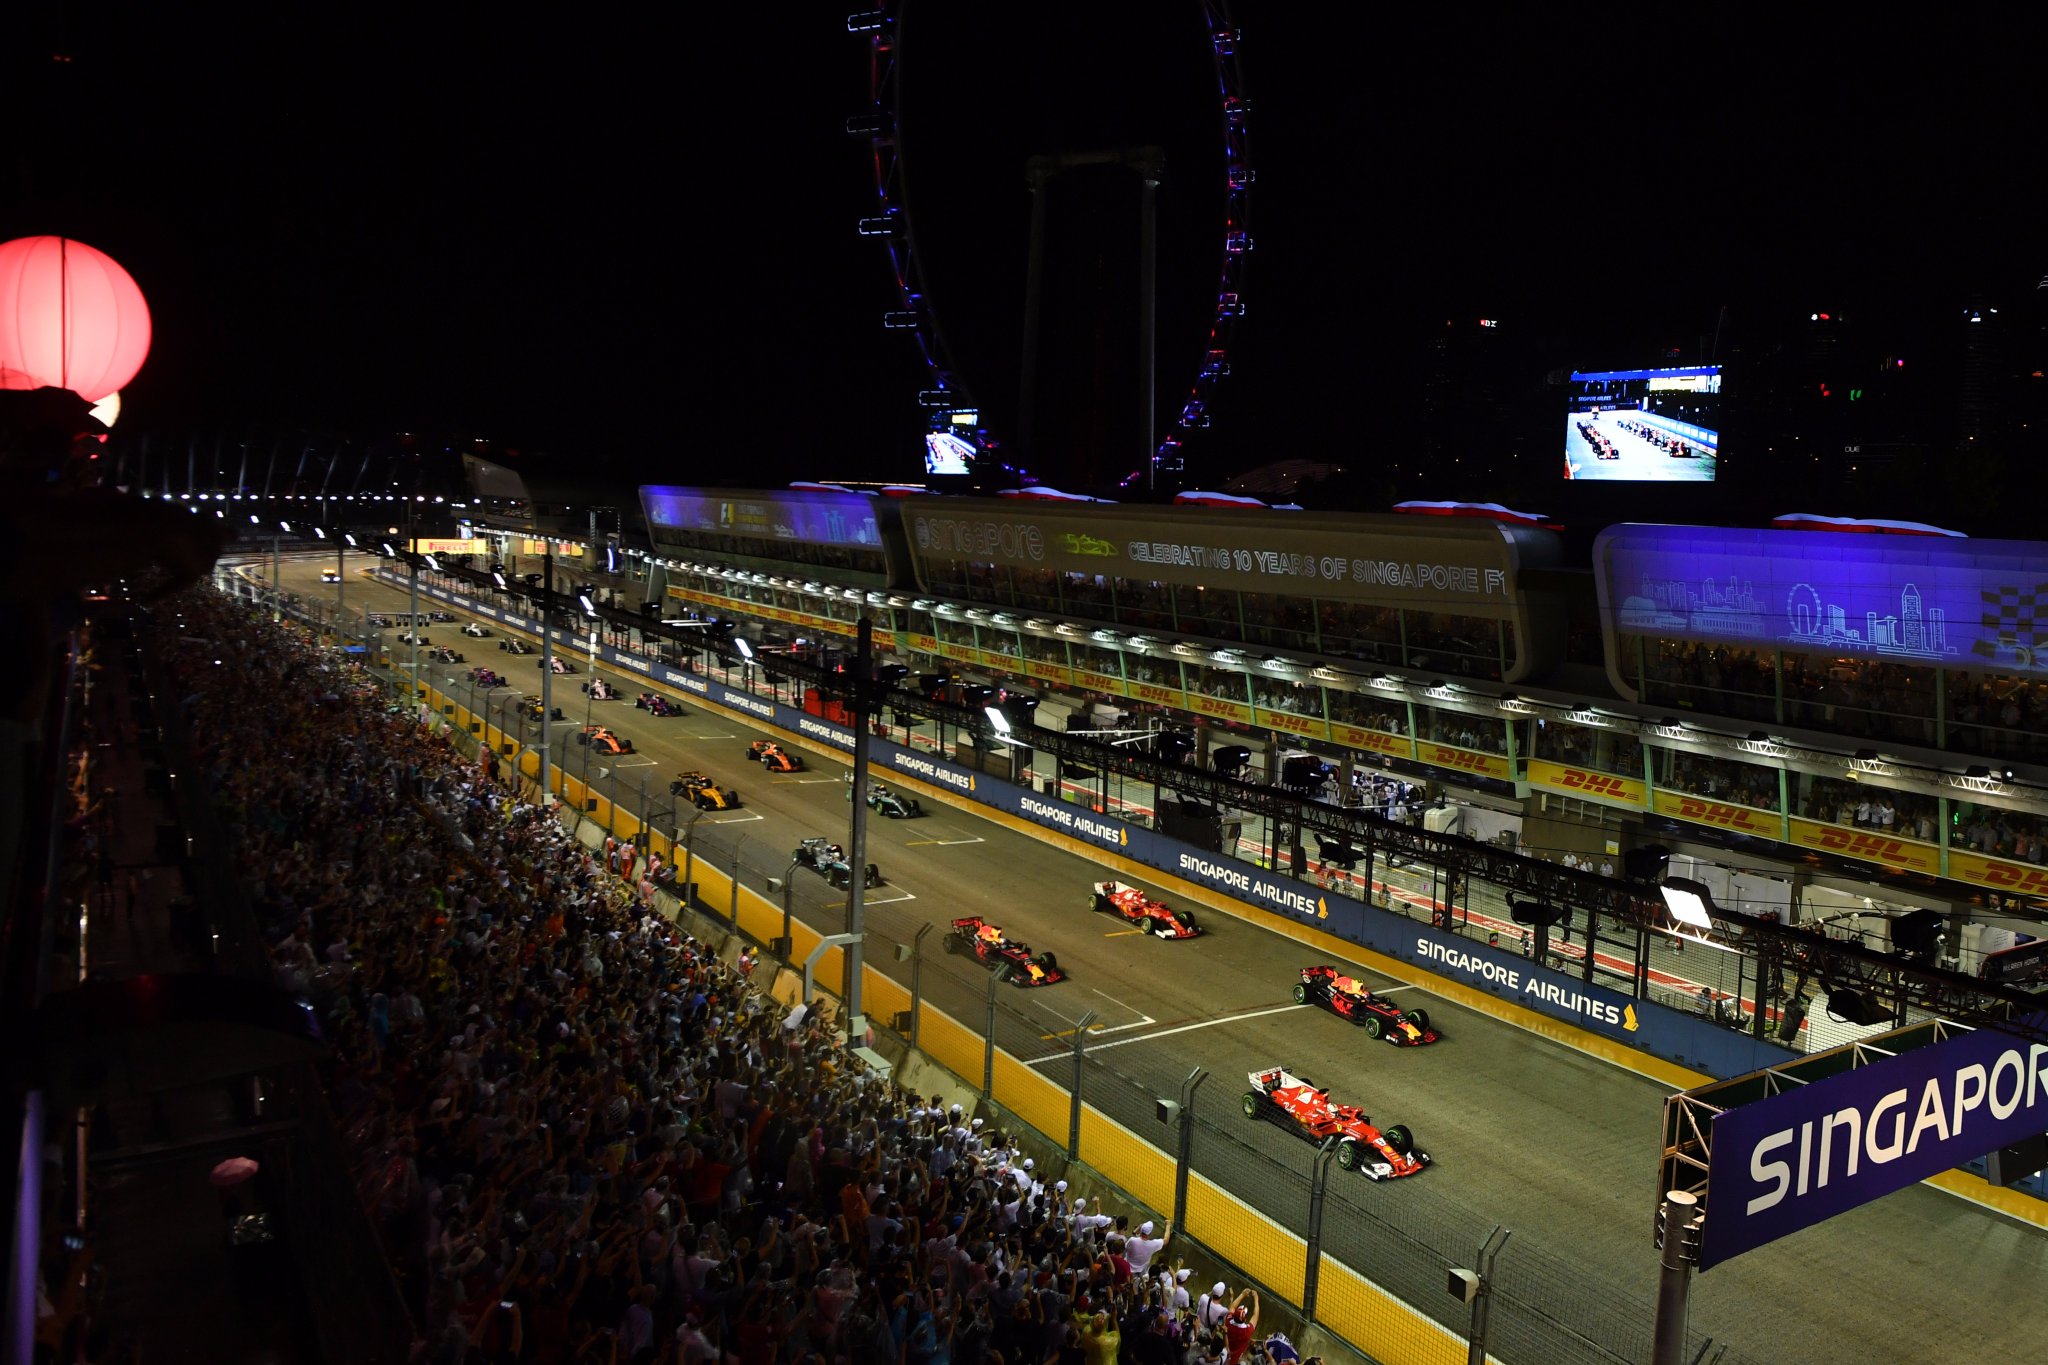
(953, 412)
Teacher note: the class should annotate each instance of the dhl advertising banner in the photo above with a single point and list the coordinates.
(1450, 756)
(1572, 1002)
(1292, 724)
(1702, 810)
(1379, 741)
(1218, 708)
(1593, 786)
(1870, 846)
(2000, 874)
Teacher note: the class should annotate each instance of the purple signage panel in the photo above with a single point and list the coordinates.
(814, 516)
(1809, 1153)
(1928, 600)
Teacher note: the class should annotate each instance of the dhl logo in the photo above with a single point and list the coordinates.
(1868, 846)
(1457, 758)
(1714, 813)
(2010, 876)
(1596, 784)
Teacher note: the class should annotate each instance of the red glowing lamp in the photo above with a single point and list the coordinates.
(70, 318)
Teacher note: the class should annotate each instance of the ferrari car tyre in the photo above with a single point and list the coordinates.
(1399, 1138)
(1349, 1154)
(1372, 1026)
(1300, 993)
(1251, 1104)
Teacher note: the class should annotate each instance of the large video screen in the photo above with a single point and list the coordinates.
(945, 453)
(1645, 426)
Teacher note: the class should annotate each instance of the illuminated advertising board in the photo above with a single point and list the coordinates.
(1809, 1152)
(1644, 426)
(1454, 564)
(817, 517)
(1917, 600)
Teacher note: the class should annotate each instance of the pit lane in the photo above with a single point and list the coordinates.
(1548, 1142)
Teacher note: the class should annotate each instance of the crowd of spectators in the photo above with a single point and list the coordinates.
(583, 1135)
(1722, 779)
(1909, 815)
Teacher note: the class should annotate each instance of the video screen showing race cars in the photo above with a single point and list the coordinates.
(1644, 426)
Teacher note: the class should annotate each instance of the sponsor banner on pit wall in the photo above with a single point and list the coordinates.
(1463, 760)
(2000, 874)
(1100, 682)
(1702, 810)
(1868, 845)
(1164, 696)
(1812, 1151)
(1584, 782)
(1594, 1008)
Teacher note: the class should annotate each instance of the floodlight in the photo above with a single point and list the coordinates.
(998, 719)
(285, 526)
(1688, 902)
(319, 533)
(350, 539)
(589, 607)
(433, 564)
(499, 579)
(389, 552)
(746, 650)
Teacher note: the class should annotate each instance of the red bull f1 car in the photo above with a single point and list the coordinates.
(1150, 914)
(989, 946)
(1348, 998)
(1302, 1108)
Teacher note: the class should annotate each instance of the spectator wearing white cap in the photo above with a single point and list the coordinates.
(1213, 1307)
(1141, 1246)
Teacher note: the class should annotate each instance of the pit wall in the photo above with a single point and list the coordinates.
(1665, 1045)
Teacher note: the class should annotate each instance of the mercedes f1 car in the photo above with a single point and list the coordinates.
(828, 860)
(893, 804)
(1299, 1106)
(1153, 916)
(986, 944)
(601, 738)
(703, 792)
(655, 703)
(476, 631)
(1348, 998)
(515, 646)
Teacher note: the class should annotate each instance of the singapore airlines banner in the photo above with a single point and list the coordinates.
(1812, 1151)
(1922, 600)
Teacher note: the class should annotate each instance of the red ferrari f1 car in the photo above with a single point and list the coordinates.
(987, 945)
(1155, 917)
(1296, 1104)
(1348, 998)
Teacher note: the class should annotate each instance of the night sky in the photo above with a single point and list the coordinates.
(633, 241)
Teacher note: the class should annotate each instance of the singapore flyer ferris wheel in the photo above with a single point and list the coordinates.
(1164, 392)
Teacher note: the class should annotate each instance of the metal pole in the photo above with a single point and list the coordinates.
(988, 1033)
(414, 577)
(857, 843)
(276, 577)
(917, 980)
(547, 661)
(1074, 1095)
(1148, 306)
(735, 915)
(611, 814)
(687, 837)
(1678, 1221)
(1318, 1185)
(1036, 172)
(1185, 1157)
(788, 893)
(1482, 1301)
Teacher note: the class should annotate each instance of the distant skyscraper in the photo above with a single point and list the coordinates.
(1980, 377)
(1916, 634)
